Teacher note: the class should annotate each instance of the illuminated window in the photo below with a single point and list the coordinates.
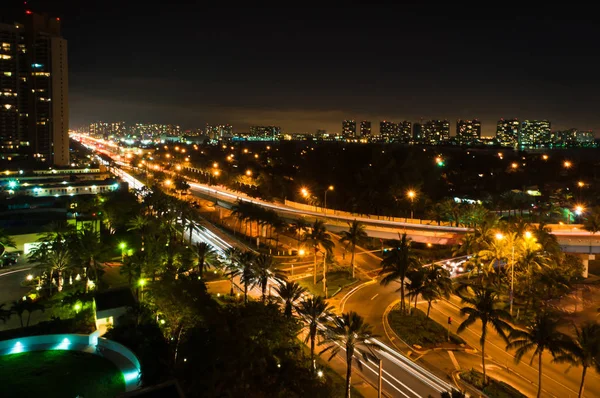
(4, 56)
(7, 73)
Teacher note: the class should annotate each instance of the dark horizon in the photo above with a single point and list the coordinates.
(310, 69)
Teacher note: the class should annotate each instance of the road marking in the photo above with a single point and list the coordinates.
(374, 296)
(454, 361)
(12, 272)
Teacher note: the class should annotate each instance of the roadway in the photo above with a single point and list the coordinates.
(401, 376)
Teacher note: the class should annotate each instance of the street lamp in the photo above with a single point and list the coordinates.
(142, 283)
(579, 210)
(567, 164)
(411, 195)
(122, 246)
(249, 173)
(304, 192)
(215, 165)
(168, 183)
(329, 188)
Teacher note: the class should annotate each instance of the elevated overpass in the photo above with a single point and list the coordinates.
(572, 238)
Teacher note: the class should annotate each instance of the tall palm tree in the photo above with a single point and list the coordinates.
(313, 311)
(231, 264)
(319, 238)
(355, 234)
(349, 331)
(289, 292)
(245, 270)
(206, 256)
(132, 267)
(264, 269)
(89, 250)
(397, 263)
(415, 284)
(141, 223)
(299, 227)
(541, 335)
(437, 285)
(482, 305)
(583, 350)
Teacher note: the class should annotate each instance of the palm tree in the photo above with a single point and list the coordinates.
(584, 350)
(141, 223)
(416, 283)
(397, 263)
(299, 227)
(289, 292)
(319, 238)
(541, 335)
(314, 311)
(437, 285)
(53, 255)
(349, 331)
(263, 270)
(206, 255)
(231, 264)
(244, 269)
(88, 249)
(132, 267)
(482, 306)
(18, 307)
(355, 234)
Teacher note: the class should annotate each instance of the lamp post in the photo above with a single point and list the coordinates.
(122, 246)
(411, 195)
(329, 188)
(142, 283)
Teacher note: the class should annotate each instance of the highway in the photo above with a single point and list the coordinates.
(402, 377)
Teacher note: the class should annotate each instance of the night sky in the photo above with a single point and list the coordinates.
(309, 68)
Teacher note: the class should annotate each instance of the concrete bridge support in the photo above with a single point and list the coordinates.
(585, 259)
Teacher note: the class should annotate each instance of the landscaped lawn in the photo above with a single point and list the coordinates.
(494, 389)
(418, 329)
(59, 374)
(336, 280)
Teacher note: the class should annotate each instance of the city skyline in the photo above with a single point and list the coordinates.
(262, 71)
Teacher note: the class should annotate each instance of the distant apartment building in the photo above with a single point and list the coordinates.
(106, 129)
(34, 109)
(534, 133)
(404, 131)
(388, 130)
(572, 138)
(507, 132)
(468, 131)
(265, 132)
(365, 128)
(219, 132)
(435, 132)
(349, 128)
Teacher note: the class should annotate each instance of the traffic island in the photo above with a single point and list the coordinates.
(422, 333)
(493, 389)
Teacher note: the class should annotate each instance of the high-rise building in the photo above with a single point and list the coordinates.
(435, 132)
(507, 132)
(349, 128)
(365, 128)
(388, 130)
(265, 132)
(34, 111)
(405, 132)
(534, 133)
(218, 132)
(468, 131)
